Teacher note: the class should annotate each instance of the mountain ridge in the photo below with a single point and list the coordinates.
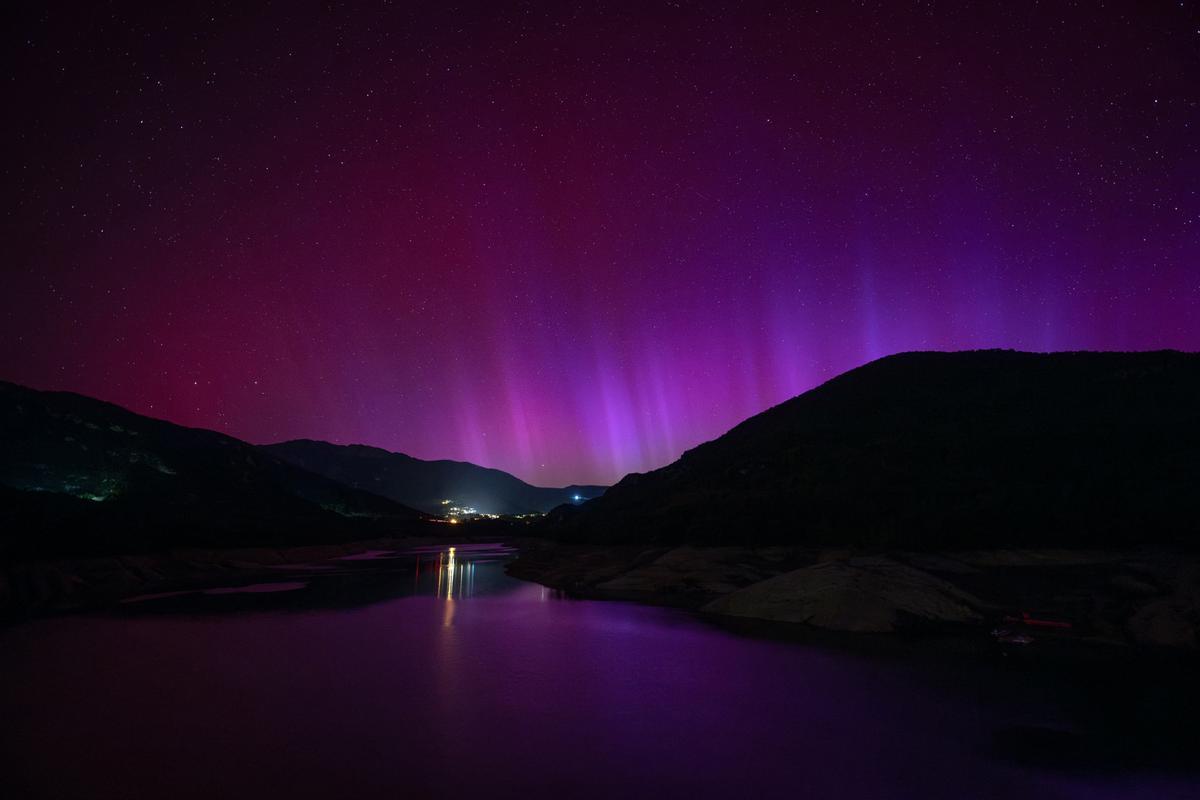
(833, 464)
(130, 481)
(425, 484)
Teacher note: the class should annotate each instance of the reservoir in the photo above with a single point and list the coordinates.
(431, 673)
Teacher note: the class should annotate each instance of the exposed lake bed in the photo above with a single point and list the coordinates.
(1106, 597)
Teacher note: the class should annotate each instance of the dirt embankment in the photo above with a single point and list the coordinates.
(1124, 597)
(51, 586)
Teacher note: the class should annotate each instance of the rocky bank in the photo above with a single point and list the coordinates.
(1147, 597)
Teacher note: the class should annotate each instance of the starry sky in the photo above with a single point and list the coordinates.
(571, 240)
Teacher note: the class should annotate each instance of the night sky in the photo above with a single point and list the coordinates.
(571, 242)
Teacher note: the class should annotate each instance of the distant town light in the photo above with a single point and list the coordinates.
(577, 498)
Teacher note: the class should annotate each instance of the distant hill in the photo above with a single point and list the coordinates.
(934, 450)
(425, 484)
(88, 476)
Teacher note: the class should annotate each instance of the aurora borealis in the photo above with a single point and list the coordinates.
(568, 240)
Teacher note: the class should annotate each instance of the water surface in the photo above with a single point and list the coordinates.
(428, 673)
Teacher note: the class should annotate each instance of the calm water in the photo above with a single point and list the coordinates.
(416, 674)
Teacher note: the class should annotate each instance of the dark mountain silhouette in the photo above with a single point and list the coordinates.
(425, 484)
(929, 450)
(82, 475)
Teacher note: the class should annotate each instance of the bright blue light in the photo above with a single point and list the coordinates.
(577, 498)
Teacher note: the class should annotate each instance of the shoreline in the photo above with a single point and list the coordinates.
(1141, 602)
(1119, 603)
(48, 587)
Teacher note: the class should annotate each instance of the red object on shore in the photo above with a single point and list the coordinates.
(1026, 619)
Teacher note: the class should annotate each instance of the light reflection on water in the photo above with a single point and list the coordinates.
(455, 578)
(447, 573)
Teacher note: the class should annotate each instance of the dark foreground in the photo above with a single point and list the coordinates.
(384, 674)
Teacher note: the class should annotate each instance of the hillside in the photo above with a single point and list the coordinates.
(81, 475)
(934, 450)
(425, 484)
